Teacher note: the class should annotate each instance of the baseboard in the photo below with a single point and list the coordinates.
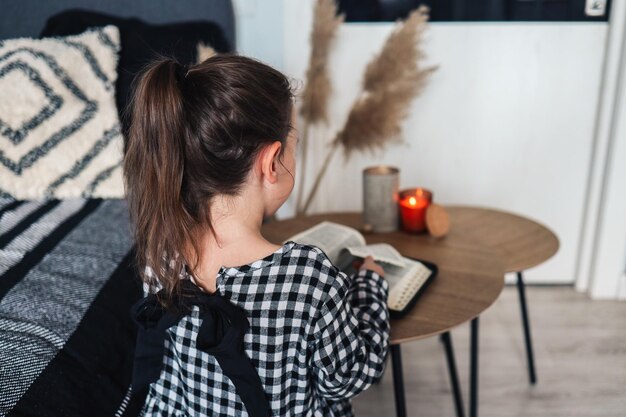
(544, 284)
(621, 288)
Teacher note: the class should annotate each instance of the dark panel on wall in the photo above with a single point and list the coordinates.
(475, 10)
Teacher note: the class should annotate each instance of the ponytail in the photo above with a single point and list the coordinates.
(154, 166)
(194, 134)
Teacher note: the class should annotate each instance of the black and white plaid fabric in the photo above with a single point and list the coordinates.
(317, 338)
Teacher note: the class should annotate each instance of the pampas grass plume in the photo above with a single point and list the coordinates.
(318, 87)
(391, 81)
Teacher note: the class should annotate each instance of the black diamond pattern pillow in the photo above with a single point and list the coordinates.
(59, 127)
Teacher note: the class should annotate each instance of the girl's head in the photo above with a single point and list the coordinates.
(197, 134)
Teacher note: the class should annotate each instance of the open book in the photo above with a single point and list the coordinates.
(343, 244)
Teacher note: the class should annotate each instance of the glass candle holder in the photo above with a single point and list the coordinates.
(380, 198)
(413, 203)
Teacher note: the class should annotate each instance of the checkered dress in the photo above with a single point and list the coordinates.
(317, 338)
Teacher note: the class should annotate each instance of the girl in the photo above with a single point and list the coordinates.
(234, 324)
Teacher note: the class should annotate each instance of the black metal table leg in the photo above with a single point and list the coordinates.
(446, 338)
(398, 383)
(521, 289)
(473, 411)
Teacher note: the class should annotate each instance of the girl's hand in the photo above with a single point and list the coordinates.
(369, 264)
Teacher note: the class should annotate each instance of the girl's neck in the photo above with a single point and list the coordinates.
(235, 239)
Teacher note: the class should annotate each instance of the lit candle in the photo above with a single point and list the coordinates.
(413, 205)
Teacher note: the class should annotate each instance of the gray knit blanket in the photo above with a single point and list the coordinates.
(67, 283)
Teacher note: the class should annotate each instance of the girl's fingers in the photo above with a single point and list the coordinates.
(368, 263)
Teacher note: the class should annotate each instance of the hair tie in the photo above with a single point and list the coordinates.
(181, 72)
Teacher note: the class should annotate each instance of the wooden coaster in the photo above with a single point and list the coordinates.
(437, 221)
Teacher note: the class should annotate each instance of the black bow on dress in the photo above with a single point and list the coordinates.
(221, 335)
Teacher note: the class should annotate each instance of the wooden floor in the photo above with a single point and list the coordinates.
(580, 351)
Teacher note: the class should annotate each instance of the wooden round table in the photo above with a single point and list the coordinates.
(521, 243)
(470, 279)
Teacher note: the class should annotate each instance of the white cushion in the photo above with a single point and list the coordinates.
(59, 128)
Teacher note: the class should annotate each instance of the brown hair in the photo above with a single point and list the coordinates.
(195, 133)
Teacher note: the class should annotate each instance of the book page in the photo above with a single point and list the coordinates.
(393, 274)
(381, 252)
(331, 238)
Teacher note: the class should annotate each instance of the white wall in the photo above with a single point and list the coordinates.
(259, 30)
(602, 261)
(507, 121)
(608, 273)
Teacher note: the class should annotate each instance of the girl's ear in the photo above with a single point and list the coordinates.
(267, 163)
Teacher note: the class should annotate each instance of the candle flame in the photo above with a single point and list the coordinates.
(412, 201)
